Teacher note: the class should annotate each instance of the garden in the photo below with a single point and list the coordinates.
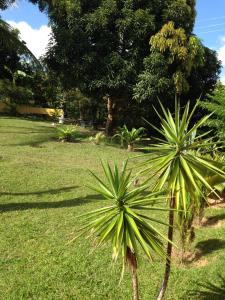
(112, 177)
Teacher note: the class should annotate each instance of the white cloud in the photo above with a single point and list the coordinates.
(221, 54)
(36, 39)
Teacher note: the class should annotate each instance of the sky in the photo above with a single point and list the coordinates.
(33, 25)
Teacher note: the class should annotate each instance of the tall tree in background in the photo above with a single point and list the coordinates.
(103, 46)
(178, 62)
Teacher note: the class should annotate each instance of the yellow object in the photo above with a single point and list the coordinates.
(27, 110)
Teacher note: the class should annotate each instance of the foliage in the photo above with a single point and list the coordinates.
(123, 222)
(67, 133)
(14, 94)
(98, 138)
(57, 175)
(178, 162)
(123, 45)
(9, 38)
(216, 104)
(180, 50)
(10, 109)
(181, 167)
(129, 137)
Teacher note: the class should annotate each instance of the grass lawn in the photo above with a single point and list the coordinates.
(43, 189)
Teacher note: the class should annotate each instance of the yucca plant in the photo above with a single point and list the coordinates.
(123, 223)
(129, 137)
(180, 167)
(67, 133)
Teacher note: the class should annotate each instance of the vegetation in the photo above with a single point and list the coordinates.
(148, 50)
(67, 133)
(43, 191)
(215, 104)
(121, 223)
(127, 67)
(181, 167)
(98, 138)
(129, 137)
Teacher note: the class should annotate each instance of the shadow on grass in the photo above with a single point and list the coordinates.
(9, 207)
(211, 221)
(52, 191)
(210, 245)
(210, 291)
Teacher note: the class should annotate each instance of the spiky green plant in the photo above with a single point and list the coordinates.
(123, 223)
(179, 165)
(129, 137)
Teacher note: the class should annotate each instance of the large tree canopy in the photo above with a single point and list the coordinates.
(100, 46)
(122, 48)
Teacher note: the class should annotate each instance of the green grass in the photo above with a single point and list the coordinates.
(43, 190)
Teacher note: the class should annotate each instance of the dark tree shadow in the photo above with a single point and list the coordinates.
(210, 291)
(51, 191)
(9, 207)
(211, 245)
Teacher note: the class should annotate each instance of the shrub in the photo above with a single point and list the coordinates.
(129, 137)
(98, 138)
(67, 134)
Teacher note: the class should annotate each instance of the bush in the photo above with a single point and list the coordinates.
(67, 134)
(16, 94)
(129, 137)
(98, 138)
(10, 109)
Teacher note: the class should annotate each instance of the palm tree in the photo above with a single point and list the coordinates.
(181, 167)
(123, 222)
(9, 37)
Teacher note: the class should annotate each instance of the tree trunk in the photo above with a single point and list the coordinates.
(132, 261)
(169, 251)
(109, 122)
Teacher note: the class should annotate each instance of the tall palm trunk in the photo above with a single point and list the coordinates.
(169, 251)
(132, 262)
(109, 122)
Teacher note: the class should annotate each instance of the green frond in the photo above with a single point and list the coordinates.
(121, 223)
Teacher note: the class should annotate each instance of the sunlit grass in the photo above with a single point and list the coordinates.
(43, 190)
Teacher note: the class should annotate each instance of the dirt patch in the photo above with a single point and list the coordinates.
(201, 263)
(190, 259)
(212, 222)
(187, 258)
(217, 202)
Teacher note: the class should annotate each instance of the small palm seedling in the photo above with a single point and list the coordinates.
(67, 134)
(129, 137)
(181, 167)
(123, 222)
(98, 138)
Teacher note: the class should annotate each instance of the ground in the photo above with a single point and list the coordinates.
(43, 190)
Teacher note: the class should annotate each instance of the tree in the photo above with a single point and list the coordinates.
(216, 104)
(9, 39)
(100, 46)
(178, 63)
(124, 223)
(181, 167)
